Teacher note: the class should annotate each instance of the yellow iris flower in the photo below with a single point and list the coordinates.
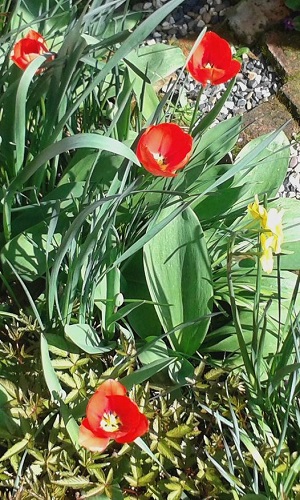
(272, 236)
(257, 211)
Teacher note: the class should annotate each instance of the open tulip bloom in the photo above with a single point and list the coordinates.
(163, 149)
(29, 48)
(111, 414)
(212, 62)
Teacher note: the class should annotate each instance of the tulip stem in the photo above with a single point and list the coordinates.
(196, 109)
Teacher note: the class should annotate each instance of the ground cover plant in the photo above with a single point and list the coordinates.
(149, 343)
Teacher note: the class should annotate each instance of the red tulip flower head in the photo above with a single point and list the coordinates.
(163, 149)
(212, 61)
(110, 414)
(29, 48)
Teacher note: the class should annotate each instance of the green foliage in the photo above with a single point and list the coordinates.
(172, 259)
(292, 4)
(109, 272)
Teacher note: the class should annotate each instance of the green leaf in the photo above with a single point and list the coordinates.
(85, 337)
(28, 252)
(165, 450)
(20, 111)
(145, 94)
(57, 392)
(178, 275)
(266, 172)
(16, 448)
(181, 370)
(293, 4)
(95, 141)
(251, 496)
(175, 495)
(143, 446)
(205, 122)
(147, 479)
(159, 60)
(291, 232)
(73, 482)
(134, 39)
(179, 432)
(153, 350)
(145, 373)
(214, 144)
(143, 319)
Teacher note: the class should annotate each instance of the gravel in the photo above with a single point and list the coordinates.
(256, 82)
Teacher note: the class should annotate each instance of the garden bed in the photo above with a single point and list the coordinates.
(149, 342)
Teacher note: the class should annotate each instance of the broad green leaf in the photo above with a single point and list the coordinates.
(85, 337)
(180, 371)
(146, 97)
(157, 61)
(266, 172)
(20, 111)
(217, 204)
(293, 4)
(178, 275)
(28, 12)
(85, 160)
(225, 338)
(291, 232)
(9, 428)
(143, 319)
(214, 144)
(155, 349)
(28, 252)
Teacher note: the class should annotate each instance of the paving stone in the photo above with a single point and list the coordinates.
(289, 94)
(284, 49)
(251, 18)
(265, 118)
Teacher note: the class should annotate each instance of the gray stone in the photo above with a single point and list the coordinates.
(206, 17)
(250, 18)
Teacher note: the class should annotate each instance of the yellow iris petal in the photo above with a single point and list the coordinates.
(271, 238)
(257, 211)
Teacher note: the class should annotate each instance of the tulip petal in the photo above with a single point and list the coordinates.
(233, 69)
(89, 440)
(142, 426)
(217, 51)
(29, 48)
(212, 61)
(99, 402)
(163, 149)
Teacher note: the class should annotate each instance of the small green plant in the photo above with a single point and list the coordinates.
(294, 21)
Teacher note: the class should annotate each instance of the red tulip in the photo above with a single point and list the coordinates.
(212, 61)
(110, 414)
(29, 48)
(163, 149)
